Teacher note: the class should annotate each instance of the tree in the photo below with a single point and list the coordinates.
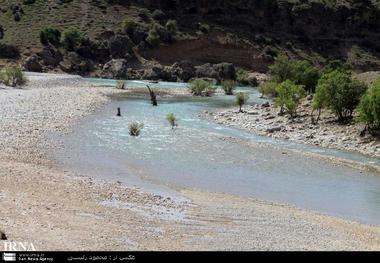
(72, 38)
(172, 119)
(281, 70)
(339, 92)
(289, 96)
(241, 99)
(200, 87)
(369, 108)
(50, 35)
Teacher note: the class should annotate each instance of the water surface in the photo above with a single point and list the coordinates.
(204, 155)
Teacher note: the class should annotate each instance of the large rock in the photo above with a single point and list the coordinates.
(120, 46)
(183, 70)
(225, 71)
(32, 64)
(50, 56)
(73, 62)
(115, 69)
(159, 72)
(206, 71)
(94, 50)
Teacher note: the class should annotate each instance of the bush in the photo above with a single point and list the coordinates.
(50, 35)
(339, 92)
(242, 77)
(200, 87)
(158, 15)
(241, 99)
(369, 107)
(172, 120)
(121, 84)
(204, 28)
(129, 25)
(229, 86)
(153, 38)
(135, 128)
(289, 95)
(9, 51)
(72, 38)
(301, 72)
(12, 75)
(172, 27)
(268, 89)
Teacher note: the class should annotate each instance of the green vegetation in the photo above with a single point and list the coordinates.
(12, 76)
(200, 87)
(50, 35)
(121, 84)
(72, 38)
(300, 72)
(289, 95)
(135, 128)
(172, 119)
(129, 25)
(369, 108)
(268, 89)
(338, 91)
(241, 99)
(242, 77)
(172, 27)
(229, 86)
(153, 38)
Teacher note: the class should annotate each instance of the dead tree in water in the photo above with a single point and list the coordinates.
(153, 97)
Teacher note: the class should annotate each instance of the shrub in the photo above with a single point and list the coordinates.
(337, 65)
(172, 27)
(153, 38)
(339, 92)
(229, 86)
(268, 89)
(9, 51)
(72, 38)
(129, 25)
(28, 2)
(204, 28)
(241, 99)
(289, 95)
(135, 128)
(242, 76)
(200, 87)
(121, 84)
(12, 75)
(158, 14)
(50, 35)
(172, 120)
(369, 107)
(301, 72)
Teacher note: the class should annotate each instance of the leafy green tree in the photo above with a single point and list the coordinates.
(50, 35)
(241, 99)
(369, 108)
(72, 38)
(268, 89)
(172, 27)
(289, 96)
(339, 92)
(281, 70)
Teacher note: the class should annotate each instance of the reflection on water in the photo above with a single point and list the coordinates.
(204, 155)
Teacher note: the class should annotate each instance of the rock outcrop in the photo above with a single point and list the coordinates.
(32, 64)
(115, 69)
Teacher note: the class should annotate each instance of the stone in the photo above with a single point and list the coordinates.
(32, 64)
(120, 46)
(274, 129)
(50, 56)
(116, 69)
(3, 236)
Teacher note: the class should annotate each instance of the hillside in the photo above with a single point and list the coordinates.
(248, 34)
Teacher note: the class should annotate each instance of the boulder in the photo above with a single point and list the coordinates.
(120, 46)
(50, 56)
(116, 69)
(225, 71)
(94, 50)
(3, 236)
(183, 70)
(159, 72)
(138, 36)
(73, 62)
(32, 64)
(220, 72)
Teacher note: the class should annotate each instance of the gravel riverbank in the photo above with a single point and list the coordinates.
(58, 210)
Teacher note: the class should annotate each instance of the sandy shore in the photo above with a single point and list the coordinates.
(59, 210)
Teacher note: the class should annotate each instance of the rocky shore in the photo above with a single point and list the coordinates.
(265, 120)
(56, 209)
